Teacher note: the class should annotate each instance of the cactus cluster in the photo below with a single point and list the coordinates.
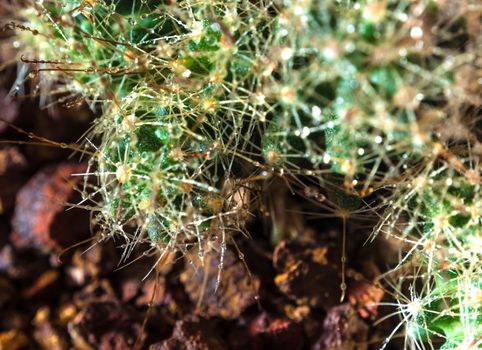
(172, 86)
(365, 99)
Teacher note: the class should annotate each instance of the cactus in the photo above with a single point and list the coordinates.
(170, 84)
(366, 98)
(444, 230)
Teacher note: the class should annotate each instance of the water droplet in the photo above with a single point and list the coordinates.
(416, 33)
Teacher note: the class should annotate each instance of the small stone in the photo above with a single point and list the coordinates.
(236, 291)
(153, 292)
(365, 298)
(40, 220)
(105, 325)
(343, 330)
(265, 332)
(191, 334)
(306, 274)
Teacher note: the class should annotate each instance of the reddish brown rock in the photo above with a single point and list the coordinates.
(191, 335)
(306, 273)
(226, 297)
(264, 332)
(365, 298)
(364, 291)
(106, 325)
(153, 291)
(131, 284)
(343, 330)
(40, 219)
